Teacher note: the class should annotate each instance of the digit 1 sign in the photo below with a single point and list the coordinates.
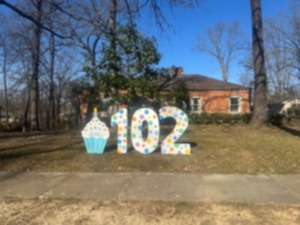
(150, 144)
(120, 119)
(168, 146)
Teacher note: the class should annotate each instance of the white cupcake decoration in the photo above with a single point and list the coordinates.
(95, 135)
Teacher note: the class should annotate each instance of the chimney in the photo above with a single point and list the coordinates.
(177, 72)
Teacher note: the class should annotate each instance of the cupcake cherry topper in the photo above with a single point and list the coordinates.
(95, 135)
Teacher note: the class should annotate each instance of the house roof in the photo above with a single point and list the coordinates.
(196, 82)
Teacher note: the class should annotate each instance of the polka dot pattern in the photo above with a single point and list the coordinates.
(95, 135)
(96, 129)
(120, 119)
(182, 121)
(150, 144)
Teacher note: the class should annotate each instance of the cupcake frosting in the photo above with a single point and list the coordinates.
(96, 129)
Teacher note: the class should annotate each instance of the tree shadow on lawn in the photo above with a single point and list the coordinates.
(289, 130)
(113, 147)
(16, 145)
(7, 135)
(37, 150)
(158, 149)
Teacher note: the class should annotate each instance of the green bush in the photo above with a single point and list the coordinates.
(219, 118)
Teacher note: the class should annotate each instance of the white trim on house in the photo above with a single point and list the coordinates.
(235, 107)
(196, 104)
(289, 104)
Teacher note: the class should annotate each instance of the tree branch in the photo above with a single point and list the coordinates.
(30, 18)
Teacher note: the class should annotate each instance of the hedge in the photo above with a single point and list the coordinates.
(219, 118)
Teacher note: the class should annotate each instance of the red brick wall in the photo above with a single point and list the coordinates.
(219, 101)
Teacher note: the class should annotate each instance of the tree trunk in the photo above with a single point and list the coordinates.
(260, 93)
(5, 82)
(58, 106)
(113, 46)
(52, 114)
(34, 109)
(26, 111)
(112, 36)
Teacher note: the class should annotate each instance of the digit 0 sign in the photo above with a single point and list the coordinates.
(150, 144)
(149, 116)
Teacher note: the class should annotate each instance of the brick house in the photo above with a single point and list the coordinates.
(206, 94)
(210, 95)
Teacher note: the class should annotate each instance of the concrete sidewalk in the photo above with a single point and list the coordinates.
(154, 186)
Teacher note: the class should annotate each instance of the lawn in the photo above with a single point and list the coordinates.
(224, 149)
(96, 212)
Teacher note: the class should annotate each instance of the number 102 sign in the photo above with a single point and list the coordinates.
(150, 143)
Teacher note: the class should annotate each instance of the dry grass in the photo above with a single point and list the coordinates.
(55, 211)
(224, 149)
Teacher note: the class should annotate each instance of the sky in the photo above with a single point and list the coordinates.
(177, 47)
(177, 44)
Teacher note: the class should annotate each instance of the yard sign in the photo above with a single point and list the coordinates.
(96, 133)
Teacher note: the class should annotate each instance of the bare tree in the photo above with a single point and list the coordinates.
(31, 18)
(32, 39)
(4, 47)
(224, 42)
(293, 37)
(260, 77)
(20, 33)
(16, 58)
(52, 45)
(87, 21)
(37, 39)
(36, 42)
(278, 59)
(43, 15)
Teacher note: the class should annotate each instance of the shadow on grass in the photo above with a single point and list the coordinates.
(7, 176)
(289, 130)
(15, 147)
(37, 151)
(44, 141)
(110, 148)
(158, 150)
(8, 135)
(113, 147)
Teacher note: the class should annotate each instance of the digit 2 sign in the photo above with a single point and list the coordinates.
(168, 146)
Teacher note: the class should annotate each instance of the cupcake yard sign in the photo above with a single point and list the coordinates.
(96, 133)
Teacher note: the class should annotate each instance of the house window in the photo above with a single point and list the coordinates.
(234, 104)
(196, 104)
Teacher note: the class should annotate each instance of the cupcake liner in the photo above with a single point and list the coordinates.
(95, 135)
(95, 145)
